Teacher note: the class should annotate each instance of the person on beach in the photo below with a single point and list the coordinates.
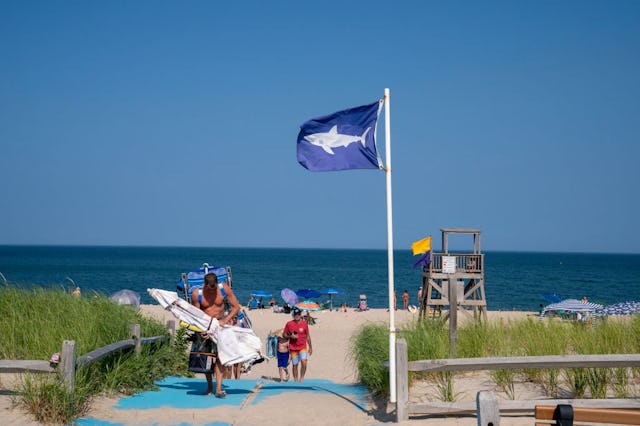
(283, 358)
(211, 302)
(405, 300)
(234, 369)
(252, 303)
(300, 348)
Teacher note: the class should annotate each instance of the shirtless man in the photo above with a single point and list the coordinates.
(212, 303)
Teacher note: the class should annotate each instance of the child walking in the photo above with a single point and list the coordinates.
(283, 358)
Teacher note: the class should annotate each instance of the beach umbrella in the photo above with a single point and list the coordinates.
(571, 305)
(289, 296)
(261, 293)
(126, 297)
(331, 292)
(307, 293)
(621, 308)
(308, 305)
(551, 298)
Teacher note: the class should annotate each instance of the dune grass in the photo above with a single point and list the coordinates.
(34, 323)
(429, 339)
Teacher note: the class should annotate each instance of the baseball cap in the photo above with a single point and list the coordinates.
(297, 311)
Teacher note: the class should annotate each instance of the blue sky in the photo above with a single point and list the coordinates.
(175, 123)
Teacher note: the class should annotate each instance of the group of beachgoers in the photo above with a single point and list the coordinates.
(294, 345)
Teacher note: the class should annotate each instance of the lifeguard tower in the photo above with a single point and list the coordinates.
(454, 280)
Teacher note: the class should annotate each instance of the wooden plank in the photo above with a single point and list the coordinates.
(19, 366)
(519, 406)
(469, 292)
(461, 275)
(471, 302)
(402, 381)
(69, 363)
(41, 366)
(527, 362)
(601, 415)
(460, 230)
(102, 352)
(154, 339)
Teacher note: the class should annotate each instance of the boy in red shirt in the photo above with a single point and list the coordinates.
(297, 331)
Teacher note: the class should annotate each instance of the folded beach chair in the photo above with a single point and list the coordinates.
(195, 279)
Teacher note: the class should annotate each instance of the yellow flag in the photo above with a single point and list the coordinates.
(421, 246)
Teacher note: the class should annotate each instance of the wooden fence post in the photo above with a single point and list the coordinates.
(402, 381)
(135, 334)
(453, 315)
(69, 364)
(487, 409)
(171, 326)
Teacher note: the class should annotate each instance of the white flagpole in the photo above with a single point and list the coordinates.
(392, 325)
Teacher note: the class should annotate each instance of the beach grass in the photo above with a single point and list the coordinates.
(428, 339)
(35, 322)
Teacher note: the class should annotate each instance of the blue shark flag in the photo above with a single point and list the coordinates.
(343, 140)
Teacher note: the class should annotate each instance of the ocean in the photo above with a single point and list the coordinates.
(513, 280)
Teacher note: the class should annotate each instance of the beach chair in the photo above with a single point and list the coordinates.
(309, 319)
(195, 279)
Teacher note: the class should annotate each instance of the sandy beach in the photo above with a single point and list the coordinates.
(330, 360)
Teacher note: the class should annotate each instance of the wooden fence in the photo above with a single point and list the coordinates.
(69, 363)
(404, 408)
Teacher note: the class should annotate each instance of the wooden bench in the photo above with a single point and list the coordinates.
(565, 415)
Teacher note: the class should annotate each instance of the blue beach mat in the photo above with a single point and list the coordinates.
(187, 393)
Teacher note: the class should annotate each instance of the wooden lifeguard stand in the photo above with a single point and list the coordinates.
(454, 280)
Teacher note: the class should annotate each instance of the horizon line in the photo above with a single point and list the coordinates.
(302, 248)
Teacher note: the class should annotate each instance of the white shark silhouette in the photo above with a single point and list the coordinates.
(333, 139)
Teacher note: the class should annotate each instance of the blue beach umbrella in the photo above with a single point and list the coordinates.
(259, 294)
(307, 293)
(331, 292)
(551, 298)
